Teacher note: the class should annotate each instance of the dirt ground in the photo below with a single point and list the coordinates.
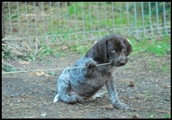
(144, 88)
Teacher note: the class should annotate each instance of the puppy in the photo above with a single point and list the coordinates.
(78, 83)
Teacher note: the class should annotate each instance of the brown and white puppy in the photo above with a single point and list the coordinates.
(77, 84)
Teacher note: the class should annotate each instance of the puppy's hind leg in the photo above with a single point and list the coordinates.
(64, 87)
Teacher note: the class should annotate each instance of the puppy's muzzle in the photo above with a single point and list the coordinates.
(122, 61)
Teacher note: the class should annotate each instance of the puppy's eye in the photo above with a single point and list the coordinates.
(112, 50)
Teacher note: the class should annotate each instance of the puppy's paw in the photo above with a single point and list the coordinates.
(90, 64)
(75, 99)
(80, 99)
(120, 105)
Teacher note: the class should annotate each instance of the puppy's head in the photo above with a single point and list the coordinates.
(113, 48)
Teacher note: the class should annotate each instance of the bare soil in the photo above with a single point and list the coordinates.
(144, 87)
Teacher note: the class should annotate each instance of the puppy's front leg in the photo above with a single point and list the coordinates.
(91, 66)
(114, 95)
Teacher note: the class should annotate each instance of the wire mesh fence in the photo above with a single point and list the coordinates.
(52, 22)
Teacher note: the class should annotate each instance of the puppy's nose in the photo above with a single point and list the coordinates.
(122, 61)
(122, 64)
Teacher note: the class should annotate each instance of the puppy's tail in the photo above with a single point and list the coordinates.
(56, 98)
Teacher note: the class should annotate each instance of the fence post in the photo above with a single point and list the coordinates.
(3, 22)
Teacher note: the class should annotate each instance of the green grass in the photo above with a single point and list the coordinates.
(147, 94)
(94, 18)
(8, 68)
(151, 115)
(88, 12)
(168, 115)
(154, 46)
(165, 68)
(152, 64)
(81, 49)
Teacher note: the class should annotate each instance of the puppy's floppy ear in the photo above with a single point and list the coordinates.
(99, 51)
(128, 48)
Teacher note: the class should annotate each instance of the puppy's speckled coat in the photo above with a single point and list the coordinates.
(75, 85)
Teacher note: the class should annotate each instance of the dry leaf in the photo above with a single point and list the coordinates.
(134, 117)
(24, 63)
(38, 74)
(131, 84)
(64, 47)
(47, 75)
(42, 73)
(33, 73)
(16, 52)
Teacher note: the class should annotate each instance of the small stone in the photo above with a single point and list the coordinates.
(43, 114)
